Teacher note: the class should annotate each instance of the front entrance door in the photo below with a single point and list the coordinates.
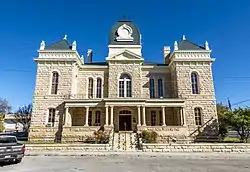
(125, 123)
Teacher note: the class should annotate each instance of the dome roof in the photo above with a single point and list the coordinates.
(124, 32)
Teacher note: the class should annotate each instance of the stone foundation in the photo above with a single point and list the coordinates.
(68, 134)
(67, 147)
(196, 148)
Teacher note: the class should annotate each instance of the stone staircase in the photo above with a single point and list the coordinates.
(125, 141)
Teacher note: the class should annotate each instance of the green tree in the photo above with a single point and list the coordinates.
(222, 111)
(23, 116)
(239, 120)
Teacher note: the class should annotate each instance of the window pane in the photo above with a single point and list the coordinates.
(160, 88)
(194, 80)
(99, 88)
(121, 88)
(197, 112)
(129, 90)
(152, 88)
(90, 118)
(54, 86)
(97, 118)
(153, 118)
(90, 88)
(51, 118)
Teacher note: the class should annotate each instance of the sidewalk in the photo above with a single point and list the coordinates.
(143, 154)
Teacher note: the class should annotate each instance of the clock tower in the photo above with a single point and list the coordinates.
(124, 35)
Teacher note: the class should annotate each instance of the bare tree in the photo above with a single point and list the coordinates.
(4, 106)
(23, 116)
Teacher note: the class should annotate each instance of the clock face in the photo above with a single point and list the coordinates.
(124, 32)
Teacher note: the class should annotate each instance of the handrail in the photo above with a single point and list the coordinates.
(201, 126)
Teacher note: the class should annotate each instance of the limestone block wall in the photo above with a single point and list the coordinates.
(43, 99)
(133, 69)
(206, 97)
(83, 81)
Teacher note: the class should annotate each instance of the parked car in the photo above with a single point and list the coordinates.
(10, 149)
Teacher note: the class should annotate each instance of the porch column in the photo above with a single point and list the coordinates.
(143, 116)
(107, 116)
(163, 116)
(139, 115)
(87, 116)
(111, 115)
(183, 116)
(68, 120)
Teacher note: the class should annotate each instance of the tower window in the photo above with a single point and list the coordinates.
(194, 81)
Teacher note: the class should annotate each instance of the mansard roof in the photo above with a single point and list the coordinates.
(60, 45)
(188, 45)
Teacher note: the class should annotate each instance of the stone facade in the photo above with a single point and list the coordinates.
(123, 95)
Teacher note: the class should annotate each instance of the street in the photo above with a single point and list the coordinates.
(128, 163)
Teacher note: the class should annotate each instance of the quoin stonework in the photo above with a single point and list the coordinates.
(74, 95)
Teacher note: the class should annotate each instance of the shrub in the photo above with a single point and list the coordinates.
(231, 140)
(149, 136)
(99, 137)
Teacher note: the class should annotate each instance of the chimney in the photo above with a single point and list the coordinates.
(166, 53)
(89, 56)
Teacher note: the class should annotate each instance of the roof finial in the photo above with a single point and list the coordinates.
(74, 45)
(183, 37)
(42, 45)
(206, 45)
(175, 45)
(65, 37)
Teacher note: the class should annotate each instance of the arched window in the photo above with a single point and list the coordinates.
(160, 88)
(197, 114)
(90, 88)
(194, 81)
(152, 88)
(125, 86)
(54, 84)
(99, 88)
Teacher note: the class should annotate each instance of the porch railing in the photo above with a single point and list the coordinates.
(137, 96)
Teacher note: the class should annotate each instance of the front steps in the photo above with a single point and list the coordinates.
(125, 141)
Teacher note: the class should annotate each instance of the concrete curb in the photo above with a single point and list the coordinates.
(145, 154)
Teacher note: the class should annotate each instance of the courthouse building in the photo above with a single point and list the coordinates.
(75, 95)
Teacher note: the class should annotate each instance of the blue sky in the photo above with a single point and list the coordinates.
(224, 24)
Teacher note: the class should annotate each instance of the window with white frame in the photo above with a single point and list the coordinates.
(153, 118)
(98, 118)
(51, 117)
(160, 88)
(125, 86)
(90, 88)
(197, 114)
(152, 88)
(54, 84)
(194, 82)
(99, 88)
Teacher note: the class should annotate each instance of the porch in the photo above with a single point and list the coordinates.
(125, 116)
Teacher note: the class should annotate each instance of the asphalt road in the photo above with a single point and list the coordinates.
(128, 163)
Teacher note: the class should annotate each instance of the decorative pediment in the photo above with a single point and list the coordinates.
(125, 56)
